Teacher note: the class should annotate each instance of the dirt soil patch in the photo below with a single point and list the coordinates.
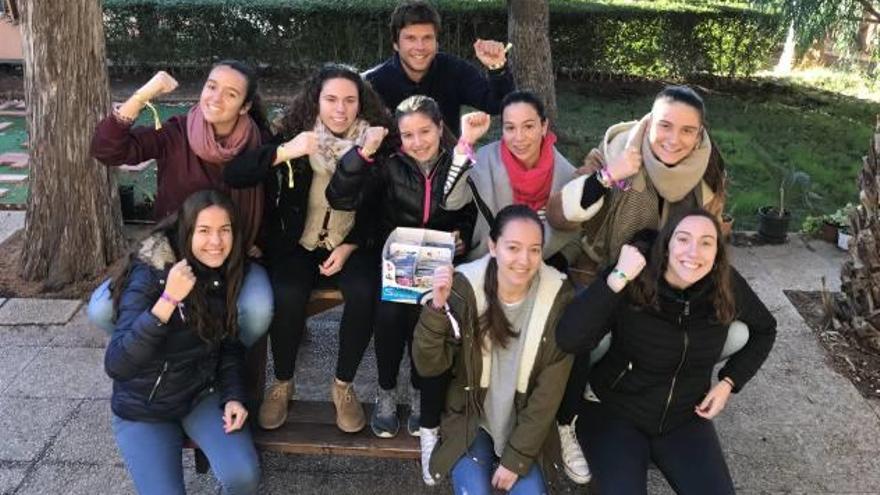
(843, 350)
(11, 285)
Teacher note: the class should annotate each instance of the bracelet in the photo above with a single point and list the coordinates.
(468, 149)
(156, 121)
(367, 155)
(729, 382)
(168, 298)
(619, 273)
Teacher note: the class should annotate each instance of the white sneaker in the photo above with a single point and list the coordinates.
(576, 467)
(428, 438)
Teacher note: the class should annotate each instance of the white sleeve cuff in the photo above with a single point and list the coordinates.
(571, 201)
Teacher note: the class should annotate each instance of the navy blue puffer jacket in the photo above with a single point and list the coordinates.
(161, 371)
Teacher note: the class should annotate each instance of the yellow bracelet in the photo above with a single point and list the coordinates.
(157, 122)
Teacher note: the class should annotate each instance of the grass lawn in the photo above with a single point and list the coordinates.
(762, 129)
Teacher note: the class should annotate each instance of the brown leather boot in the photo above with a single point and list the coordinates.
(273, 410)
(349, 411)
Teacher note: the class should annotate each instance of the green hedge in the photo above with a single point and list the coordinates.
(675, 40)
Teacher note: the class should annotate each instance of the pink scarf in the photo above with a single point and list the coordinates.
(531, 187)
(205, 144)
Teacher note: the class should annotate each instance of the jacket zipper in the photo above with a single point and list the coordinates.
(629, 367)
(158, 382)
(685, 313)
(429, 185)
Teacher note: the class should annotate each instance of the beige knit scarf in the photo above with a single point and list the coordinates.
(626, 212)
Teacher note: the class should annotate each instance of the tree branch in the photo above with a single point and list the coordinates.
(870, 9)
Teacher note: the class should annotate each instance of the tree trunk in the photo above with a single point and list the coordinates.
(73, 227)
(860, 276)
(528, 28)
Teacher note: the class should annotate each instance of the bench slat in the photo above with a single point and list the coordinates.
(311, 429)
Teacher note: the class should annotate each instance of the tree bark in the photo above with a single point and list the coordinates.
(528, 28)
(860, 275)
(73, 226)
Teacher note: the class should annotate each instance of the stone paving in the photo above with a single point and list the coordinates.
(798, 427)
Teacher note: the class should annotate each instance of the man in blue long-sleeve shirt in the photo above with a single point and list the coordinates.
(418, 68)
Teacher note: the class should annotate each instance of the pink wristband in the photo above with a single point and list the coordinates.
(366, 158)
(166, 297)
(468, 149)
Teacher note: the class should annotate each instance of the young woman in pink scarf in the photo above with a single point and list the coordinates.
(191, 151)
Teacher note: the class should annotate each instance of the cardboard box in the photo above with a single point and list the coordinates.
(408, 261)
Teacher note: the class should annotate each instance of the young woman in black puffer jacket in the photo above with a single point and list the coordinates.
(406, 189)
(174, 357)
(654, 397)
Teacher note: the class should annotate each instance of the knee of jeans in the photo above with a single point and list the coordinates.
(243, 478)
(737, 337)
(254, 317)
(100, 308)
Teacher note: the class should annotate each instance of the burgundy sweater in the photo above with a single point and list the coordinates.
(179, 171)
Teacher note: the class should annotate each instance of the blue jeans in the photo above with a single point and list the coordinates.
(255, 305)
(472, 473)
(152, 451)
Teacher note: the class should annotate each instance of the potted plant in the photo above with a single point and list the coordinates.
(840, 219)
(821, 227)
(773, 220)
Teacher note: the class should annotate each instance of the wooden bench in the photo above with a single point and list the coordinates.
(311, 425)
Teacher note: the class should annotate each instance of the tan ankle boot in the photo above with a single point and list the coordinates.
(349, 411)
(273, 410)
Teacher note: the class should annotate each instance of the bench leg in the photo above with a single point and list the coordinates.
(256, 370)
(202, 464)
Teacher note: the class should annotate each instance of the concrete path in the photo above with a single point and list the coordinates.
(798, 427)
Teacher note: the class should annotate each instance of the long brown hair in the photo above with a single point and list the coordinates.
(493, 322)
(643, 290)
(303, 109)
(178, 229)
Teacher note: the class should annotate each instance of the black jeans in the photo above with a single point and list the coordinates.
(395, 324)
(573, 398)
(293, 277)
(689, 456)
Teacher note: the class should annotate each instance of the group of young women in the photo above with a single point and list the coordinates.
(501, 353)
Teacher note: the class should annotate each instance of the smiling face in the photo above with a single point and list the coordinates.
(675, 131)
(222, 98)
(417, 45)
(419, 136)
(338, 104)
(523, 131)
(212, 236)
(692, 251)
(519, 252)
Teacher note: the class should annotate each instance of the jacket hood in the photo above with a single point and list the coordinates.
(549, 284)
(156, 251)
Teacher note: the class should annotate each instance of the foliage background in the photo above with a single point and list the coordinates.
(651, 39)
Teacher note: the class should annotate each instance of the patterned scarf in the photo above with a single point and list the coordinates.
(332, 147)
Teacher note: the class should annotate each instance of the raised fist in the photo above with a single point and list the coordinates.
(180, 280)
(441, 286)
(305, 143)
(626, 165)
(474, 125)
(373, 139)
(161, 83)
(490, 53)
